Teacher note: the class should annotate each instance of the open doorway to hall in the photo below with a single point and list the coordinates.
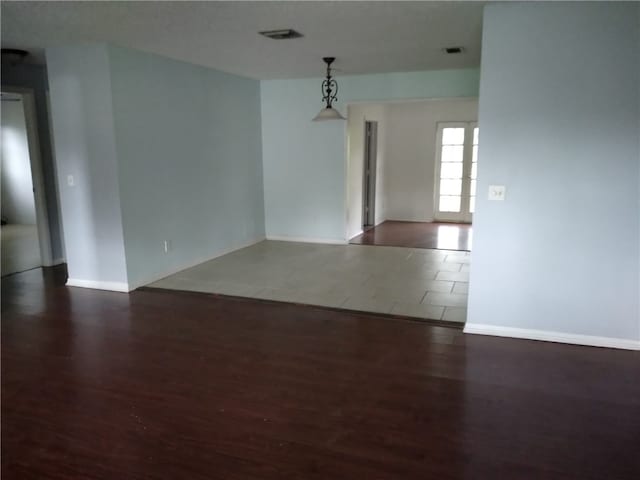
(24, 234)
(19, 239)
(412, 169)
(454, 190)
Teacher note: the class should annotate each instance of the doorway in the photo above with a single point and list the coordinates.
(24, 231)
(369, 174)
(456, 171)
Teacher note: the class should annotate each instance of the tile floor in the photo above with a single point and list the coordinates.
(411, 282)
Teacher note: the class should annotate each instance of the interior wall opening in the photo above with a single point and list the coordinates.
(419, 180)
(424, 190)
(24, 231)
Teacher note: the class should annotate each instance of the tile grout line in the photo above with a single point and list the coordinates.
(423, 296)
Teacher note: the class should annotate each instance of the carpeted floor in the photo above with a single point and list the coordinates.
(20, 248)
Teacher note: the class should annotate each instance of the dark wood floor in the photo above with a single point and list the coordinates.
(170, 385)
(443, 236)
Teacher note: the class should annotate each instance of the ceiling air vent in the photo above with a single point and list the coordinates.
(282, 34)
(453, 50)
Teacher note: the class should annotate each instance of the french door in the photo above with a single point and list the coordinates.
(456, 171)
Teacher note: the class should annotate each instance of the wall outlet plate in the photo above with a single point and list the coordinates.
(497, 192)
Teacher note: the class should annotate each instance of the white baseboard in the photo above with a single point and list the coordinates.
(331, 241)
(184, 266)
(97, 285)
(548, 336)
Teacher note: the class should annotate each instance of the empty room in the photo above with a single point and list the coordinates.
(320, 240)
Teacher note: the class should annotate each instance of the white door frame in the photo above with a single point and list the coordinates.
(37, 177)
(369, 173)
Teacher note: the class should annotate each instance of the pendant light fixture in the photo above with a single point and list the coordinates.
(329, 92)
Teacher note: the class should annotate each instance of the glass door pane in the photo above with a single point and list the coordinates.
(451, 169)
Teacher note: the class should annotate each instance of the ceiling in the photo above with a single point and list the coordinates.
(366, 37)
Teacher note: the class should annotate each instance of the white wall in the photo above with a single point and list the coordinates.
(303, 167)
(82, 116)
(411, 152)
(160, 151)
(559, 123)
(190, 164)
(17, 187)
(305, 171)
(358, 114)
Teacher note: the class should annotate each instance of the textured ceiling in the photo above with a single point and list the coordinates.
(366, 37)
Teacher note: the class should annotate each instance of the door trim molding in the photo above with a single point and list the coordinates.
(370, 160)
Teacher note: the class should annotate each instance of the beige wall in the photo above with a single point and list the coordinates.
(406, 156)
(411, 151)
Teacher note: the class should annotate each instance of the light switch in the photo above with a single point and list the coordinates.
(70, 180)
(496, 192)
